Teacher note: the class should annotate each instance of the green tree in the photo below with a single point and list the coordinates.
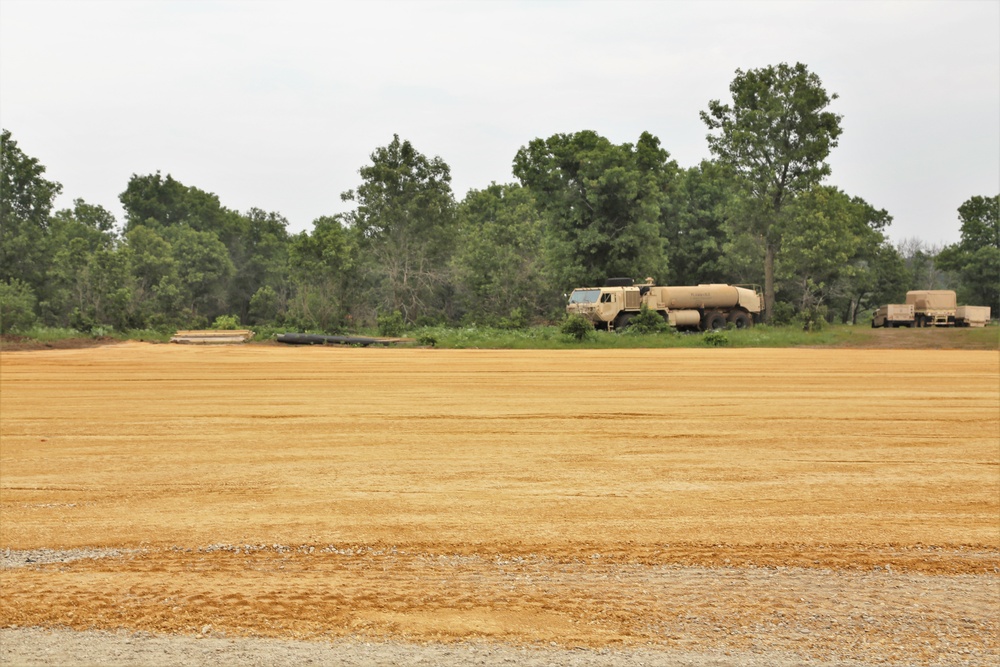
(829, 238)
(323, 271)
(155, 285)
(602, 204)
(775, 138)
(923, 271)
(695, 227)
(87, 272)
(26, 200)
(976, 258)
(405, 216)
(499, 265)
(260, 260)
(203, 270)
(17, 306)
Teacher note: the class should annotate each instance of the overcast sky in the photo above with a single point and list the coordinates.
(277, 105)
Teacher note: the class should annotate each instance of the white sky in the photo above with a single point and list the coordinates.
(276, 105)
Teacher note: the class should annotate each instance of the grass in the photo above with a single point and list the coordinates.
(550, 338)
(760, 336)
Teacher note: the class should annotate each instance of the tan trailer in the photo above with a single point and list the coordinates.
(894, 315)
(972, 316)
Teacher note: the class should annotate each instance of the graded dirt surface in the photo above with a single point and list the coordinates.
(717, 506)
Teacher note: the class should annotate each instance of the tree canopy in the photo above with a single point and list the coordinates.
(774, 138)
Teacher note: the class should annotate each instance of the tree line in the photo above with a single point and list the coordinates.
(582, 209)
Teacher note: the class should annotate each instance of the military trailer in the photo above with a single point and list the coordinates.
(972, 316)
(894, 315)
(700, 307)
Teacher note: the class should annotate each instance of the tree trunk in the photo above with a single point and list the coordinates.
(769, 254)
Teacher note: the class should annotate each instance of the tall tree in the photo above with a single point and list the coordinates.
(829, 241)
(695, 228)
(26, 200)
(775, 137)
(405, 214)
(602, 204)
(976, 258)
(323, 272)
(499, 264)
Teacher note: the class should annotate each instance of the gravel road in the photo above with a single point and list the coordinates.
(33, 647)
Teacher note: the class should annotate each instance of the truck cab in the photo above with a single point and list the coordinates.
(604, 306)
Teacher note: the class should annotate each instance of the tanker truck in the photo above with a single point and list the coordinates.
(699, 307)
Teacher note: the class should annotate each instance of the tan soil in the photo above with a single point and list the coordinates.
(781, 505)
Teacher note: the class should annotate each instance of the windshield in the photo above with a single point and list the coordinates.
(584, 296)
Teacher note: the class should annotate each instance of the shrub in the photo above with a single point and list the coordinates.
(648, 322)
(813, 318)
(783, 313)
(226, 322)
(715, 339)
(391, 325)
(17, 306)
(577, 326)
(517, 320)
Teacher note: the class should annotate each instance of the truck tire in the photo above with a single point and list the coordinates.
(740, 320)
(713, 321)
(623, 320)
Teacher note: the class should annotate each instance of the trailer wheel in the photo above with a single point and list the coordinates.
(740, 320)
(713, 321)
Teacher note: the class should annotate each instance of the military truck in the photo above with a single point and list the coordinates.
(933, 308)
(699, 307)
(894, 315)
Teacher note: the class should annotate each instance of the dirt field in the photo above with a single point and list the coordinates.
(777, 506)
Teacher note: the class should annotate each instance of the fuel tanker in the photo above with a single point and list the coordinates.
(698, 307)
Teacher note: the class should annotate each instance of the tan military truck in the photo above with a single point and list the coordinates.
(933, 308)
(894, 315)
(699, 307)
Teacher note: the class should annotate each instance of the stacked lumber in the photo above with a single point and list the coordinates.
(212, 336)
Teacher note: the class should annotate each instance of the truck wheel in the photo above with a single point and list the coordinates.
(623, 320)
(713, 321)
(740, 319)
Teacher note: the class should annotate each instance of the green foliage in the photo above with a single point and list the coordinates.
(226, 322)
(578, 327)
(499, 266)
(694, 226)
(17, 306)
(813, 318)
(406, 229)
(976, 258)
(602, 204)
(774, 138)
(648, 322)
(264, 305)
(427, 340)
(391, 324)
(715, 339)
